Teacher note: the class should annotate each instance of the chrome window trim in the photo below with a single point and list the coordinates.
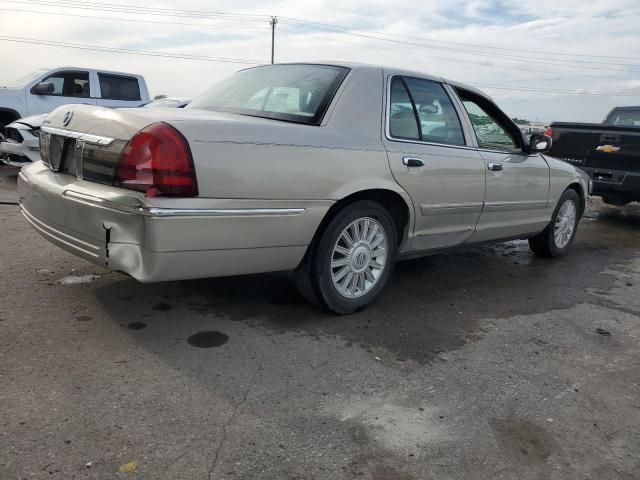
(387, 114)
(86, 137)
(161, 212)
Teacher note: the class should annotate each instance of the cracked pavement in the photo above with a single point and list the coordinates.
(489, 363)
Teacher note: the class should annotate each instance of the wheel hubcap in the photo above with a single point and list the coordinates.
(359, 257)
(565, 224)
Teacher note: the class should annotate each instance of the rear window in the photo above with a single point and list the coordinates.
(295, 93)
(624, 118)
(117, 87)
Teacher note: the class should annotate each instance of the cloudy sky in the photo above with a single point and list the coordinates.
(532, 57)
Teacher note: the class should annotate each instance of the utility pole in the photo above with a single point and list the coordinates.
(273, 22)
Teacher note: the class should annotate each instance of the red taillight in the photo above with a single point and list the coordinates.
(548, 132)
(157, 161)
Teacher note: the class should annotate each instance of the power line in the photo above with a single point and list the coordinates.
(128, 51)
(558, 91)
(344, 29)
(443, 59)
(140, 20)
(250, 62)
(110, 7)
(341, 30)
(377, 47)
(578, 64)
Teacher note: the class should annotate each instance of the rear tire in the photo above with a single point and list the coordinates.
(351, 261)
(555, 240)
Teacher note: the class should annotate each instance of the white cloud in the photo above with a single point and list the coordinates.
(538, 33)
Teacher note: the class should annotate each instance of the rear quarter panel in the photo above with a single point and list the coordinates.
(280, 160)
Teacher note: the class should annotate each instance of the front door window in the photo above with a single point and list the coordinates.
(492, 133)
(69, 84)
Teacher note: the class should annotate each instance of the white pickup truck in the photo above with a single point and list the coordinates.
(44, 90)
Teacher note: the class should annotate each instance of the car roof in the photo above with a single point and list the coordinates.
(394, 71)
(99, 70)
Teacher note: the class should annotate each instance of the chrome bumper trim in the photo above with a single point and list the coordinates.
(86, 137)
(59, 236)
(179, 212)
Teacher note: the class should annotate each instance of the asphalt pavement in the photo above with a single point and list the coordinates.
(485, 364)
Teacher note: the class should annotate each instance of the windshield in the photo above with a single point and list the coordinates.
(26, 79)
(624, 118)
(295, 93)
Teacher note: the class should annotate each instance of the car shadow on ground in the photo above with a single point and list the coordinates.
(431, 305)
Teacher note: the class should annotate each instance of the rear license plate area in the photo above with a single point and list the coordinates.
(62, 154)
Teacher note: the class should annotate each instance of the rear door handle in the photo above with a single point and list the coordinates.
(495, 167)
(413, 161)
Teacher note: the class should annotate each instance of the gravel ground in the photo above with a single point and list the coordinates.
(486, 364)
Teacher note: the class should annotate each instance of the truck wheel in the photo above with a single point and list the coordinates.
(555, 240)
(353, 258)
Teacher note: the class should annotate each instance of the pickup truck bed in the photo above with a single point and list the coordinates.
(609, 154)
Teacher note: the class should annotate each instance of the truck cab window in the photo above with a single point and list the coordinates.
(624, 118)
(118, 87)
(69, 84)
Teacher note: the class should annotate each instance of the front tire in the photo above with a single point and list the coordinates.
(353, 258)
(555, 240)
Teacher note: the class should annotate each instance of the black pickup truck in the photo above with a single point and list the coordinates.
(609, 152)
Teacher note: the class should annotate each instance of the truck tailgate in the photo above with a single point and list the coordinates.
(597, 146)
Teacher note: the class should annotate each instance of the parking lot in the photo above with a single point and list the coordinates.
(490, 363)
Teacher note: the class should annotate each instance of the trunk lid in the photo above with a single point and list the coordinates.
(86, 141)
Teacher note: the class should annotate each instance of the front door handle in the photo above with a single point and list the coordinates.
(495, 167)
(413, 161)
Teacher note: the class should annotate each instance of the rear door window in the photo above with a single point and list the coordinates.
(119, 87)
(422, 110)
(402, 116)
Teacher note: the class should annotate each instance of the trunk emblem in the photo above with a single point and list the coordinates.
(608, 149)
(67, 118)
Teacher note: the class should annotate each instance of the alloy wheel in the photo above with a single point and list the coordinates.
(359, 257)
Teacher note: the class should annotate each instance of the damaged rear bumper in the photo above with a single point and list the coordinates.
(171, 239)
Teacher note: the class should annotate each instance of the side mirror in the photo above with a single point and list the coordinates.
(43, 88)
(539, 143)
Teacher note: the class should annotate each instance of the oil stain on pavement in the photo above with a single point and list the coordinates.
(207, 339)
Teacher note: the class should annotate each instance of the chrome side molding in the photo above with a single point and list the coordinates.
(159, 212)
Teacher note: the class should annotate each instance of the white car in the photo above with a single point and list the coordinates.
(44, 90)
(22, 143)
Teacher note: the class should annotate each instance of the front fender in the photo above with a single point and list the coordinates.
(562, 176)
(13, 103)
